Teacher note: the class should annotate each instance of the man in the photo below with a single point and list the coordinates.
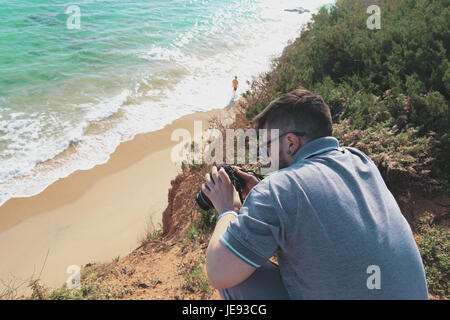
(235, 84)
(327, 214)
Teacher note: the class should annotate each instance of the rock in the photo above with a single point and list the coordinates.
(142, 285)
(300, 10)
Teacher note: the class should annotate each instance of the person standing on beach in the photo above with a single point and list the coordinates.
(235, 84)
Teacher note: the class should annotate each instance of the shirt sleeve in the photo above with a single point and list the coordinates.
(254, 235)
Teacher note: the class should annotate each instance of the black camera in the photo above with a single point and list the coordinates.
(238, 183)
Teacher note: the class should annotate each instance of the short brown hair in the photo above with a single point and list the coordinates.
(298, 110)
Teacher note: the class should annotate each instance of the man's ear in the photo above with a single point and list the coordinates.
(296, 141)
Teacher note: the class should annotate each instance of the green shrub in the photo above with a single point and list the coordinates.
(402, 156)
(207, 220)
(152, 235)
(434, 246)
(196, 281)
(192, 234)
(397, 76)
(92, 286)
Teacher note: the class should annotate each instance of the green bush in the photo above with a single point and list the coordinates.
(402, 156)
(203, 226)
(397, 76)
(192, 234)
(434, 246)
(207, 220)
(196, 281)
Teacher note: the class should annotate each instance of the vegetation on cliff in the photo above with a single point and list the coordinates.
(388, 89)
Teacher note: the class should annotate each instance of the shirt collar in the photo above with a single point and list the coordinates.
(316, 146)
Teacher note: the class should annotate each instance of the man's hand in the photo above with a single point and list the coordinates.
(250, 181)
(221, 192)
(223, 267)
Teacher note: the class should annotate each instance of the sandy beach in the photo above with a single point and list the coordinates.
(92, 215)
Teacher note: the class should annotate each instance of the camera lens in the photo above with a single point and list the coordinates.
(206, 204)
(203, 201)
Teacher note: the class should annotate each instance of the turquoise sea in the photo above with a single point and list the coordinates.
(69, 96)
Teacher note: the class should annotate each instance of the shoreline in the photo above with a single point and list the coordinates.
(93, 215)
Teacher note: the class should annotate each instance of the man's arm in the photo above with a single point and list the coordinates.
(223, 267)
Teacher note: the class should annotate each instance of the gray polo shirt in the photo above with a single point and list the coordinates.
(336, 228)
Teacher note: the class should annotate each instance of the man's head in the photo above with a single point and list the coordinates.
(235, 77)
(297, 111)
